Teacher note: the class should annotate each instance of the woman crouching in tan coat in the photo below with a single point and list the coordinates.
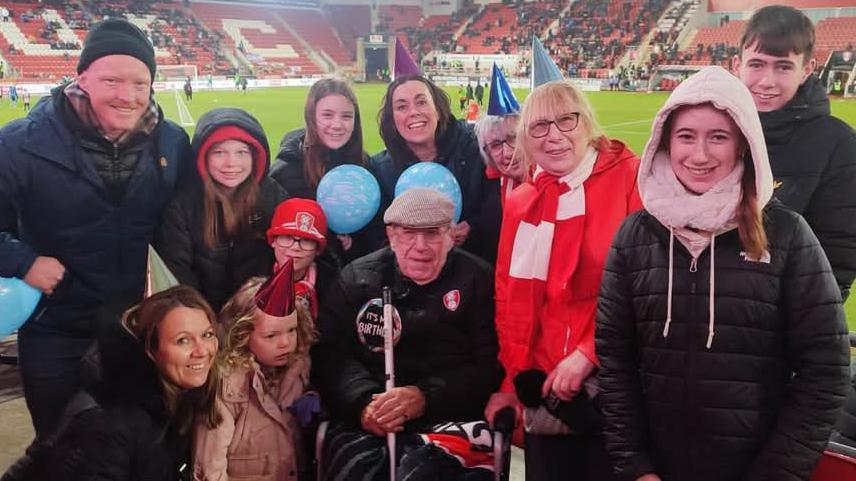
(266, 369)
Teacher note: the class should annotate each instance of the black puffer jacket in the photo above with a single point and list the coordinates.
(761, 402)
(288, 173)
(447, 347)
(845, 429)
(116, 430)
(217, 273)
(813, 156)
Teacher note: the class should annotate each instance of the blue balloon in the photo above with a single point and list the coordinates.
(433, 176)
(349, 195)
(17, 302)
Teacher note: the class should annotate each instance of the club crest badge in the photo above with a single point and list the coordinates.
(305, 221)
(370, 325)
(452, 300)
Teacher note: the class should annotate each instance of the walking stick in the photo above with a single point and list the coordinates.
(389, 370)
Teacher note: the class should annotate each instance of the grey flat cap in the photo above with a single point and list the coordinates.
(420, 207)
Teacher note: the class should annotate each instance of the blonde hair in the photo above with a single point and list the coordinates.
(238, 320)
(553, 98)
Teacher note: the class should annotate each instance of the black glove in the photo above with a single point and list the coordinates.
(579, 414)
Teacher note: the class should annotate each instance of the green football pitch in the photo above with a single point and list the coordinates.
(623, 115)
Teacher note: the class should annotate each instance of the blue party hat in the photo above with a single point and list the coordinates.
(544, 69)
(502, 100)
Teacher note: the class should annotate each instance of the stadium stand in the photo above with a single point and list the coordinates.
(315, 28)
(351, 22)
(745, 6)
(588, 38)
(39, 43)
(716, 45)
(263, 40)
(179, 37)
(494, 23)
(592, 35)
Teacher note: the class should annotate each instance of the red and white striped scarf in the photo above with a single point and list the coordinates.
(558, 200)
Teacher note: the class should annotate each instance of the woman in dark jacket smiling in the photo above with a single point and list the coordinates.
(417, 125)
(213, 233)
(156, 379)
(720, 330)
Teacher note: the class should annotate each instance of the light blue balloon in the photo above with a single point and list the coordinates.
(431, 175)
(17, 302)
(349, 195)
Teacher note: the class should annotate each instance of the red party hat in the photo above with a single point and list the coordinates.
(276, 296)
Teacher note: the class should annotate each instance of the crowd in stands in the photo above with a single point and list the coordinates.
(564, 289)
(173, 29)
(593, 35)
(664, 39)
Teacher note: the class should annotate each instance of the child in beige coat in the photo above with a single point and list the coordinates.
(266, 369)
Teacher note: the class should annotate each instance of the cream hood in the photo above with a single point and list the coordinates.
(726, 92)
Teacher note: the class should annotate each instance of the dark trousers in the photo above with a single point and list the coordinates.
(51, 372)
(566, 458)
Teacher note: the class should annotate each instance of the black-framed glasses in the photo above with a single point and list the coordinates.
(565, 123)
(496, 145)
(286, 241)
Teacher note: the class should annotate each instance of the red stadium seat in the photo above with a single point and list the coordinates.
(835, 467)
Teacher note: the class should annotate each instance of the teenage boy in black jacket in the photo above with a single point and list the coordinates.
(812, 153)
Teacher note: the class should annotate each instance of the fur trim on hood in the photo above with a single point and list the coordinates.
(726, 92)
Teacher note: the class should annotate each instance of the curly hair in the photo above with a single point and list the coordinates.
(237, 318)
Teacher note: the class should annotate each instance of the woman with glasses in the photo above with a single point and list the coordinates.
(213, 233)
(417, 125)
(333, 136)
(497, 138)
(555, 236)
(298, 231)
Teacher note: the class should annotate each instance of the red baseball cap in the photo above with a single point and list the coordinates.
(299, 218)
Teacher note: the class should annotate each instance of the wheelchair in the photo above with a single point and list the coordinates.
(501, 434)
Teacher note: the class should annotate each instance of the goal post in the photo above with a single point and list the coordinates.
(167, 73)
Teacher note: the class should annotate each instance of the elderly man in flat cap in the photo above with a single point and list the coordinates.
(83, 181)
(445, 342)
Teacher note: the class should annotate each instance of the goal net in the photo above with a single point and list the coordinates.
(166, 73)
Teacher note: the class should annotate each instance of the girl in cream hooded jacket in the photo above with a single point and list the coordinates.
(721, 359)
